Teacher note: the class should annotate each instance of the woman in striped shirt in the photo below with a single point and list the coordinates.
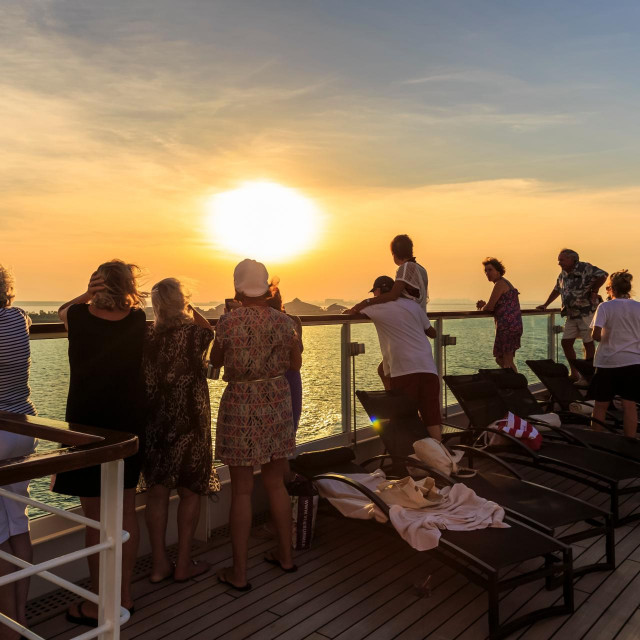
(15, 360)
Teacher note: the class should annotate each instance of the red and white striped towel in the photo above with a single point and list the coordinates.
(518, 428)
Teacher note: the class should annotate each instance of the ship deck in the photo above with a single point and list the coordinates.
(358, 582)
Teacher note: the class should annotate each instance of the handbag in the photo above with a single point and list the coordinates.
(519, 428)
(408, 493)
(304, 508)
(433, 453)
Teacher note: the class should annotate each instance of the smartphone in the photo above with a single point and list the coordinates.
(230, 304)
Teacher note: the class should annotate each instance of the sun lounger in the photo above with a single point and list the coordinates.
(610, 474)
(514, 390)
(398, 424)
(484, 556)
(555, 377)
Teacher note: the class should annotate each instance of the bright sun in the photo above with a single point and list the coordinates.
(263, 220)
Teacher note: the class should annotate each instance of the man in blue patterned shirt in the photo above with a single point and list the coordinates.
(578, 285)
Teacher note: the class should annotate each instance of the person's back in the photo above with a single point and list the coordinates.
(401, 326)
(258, 340)
(15, 361)
(620, 342)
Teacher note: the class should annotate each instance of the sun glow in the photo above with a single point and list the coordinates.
(264, 221)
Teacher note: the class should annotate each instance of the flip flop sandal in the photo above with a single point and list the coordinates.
(82, 619)
(271, 559)
(204, 567)
(222, 577)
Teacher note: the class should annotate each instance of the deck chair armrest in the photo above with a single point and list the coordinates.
(412, 462)
(377, 500)
(564, 435)
(578, 418)
(471, 451)
(523, 447)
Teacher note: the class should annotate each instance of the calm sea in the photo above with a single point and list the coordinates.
(321, 414)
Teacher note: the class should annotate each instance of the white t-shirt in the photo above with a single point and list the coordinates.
(405, 347)
(620, 323)
(415, 275)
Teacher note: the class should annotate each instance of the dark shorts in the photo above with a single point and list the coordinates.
(424, 390)
(617, 381)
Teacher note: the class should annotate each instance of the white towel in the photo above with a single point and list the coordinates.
(461, 510)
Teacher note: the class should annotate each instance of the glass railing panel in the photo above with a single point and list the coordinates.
(49, 382)
(366, 368)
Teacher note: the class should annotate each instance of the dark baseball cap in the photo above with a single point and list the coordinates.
(384, 283)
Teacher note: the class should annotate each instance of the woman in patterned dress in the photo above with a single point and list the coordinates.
(256, 344)
(505, 307)
(178, 451)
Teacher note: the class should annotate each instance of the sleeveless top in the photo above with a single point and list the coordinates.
(105, 356)
(15, 361)
(507, 313)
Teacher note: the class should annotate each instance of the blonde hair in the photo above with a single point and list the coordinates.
(170, 301)
(7, 287)
(120, 287)
(620, 282)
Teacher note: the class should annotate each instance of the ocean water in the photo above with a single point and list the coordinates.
(321, 415)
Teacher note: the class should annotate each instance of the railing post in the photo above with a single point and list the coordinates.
(438, 356)
(345, 376)
(111, 499)
(551, 336)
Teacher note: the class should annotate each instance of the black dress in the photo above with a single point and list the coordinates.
(105, 388)
(178, 451)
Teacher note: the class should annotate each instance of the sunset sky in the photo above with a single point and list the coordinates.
(478, 127)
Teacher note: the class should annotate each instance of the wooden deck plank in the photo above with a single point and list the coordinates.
(578, 625)
(200, 618)
(631, 629)
(399, 579)
(615, 615)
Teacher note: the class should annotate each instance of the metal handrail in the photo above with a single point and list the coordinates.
(54, 329)
(82, 446)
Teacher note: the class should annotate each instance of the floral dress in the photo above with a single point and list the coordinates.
(178, 450)
(508, 319)
(255, 421)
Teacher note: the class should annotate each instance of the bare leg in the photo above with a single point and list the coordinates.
(570, 353)
(21, 548)
(8, 596)
(280, 505)
(507, 361)
(589, 350)
(156, 515)
(386, 380)
(435, 431)
(240, 524)
(599, 413)
(630, 413)
(188, 514)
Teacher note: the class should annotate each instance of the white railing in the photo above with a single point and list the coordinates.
(111, 615)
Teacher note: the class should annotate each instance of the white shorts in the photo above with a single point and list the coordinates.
(578, 328)
(13, 515)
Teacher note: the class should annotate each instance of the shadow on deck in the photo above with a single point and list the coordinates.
(357, 582)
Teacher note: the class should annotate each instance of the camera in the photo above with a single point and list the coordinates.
(356, 348)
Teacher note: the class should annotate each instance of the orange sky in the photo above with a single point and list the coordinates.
(475, 133)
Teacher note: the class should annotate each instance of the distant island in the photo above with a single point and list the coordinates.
(295, 307)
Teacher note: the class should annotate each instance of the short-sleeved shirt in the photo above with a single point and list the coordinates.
(405, 347)
(575, 289)
(15, 361)
(620, 342)
(257, 343)
(415, 276)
